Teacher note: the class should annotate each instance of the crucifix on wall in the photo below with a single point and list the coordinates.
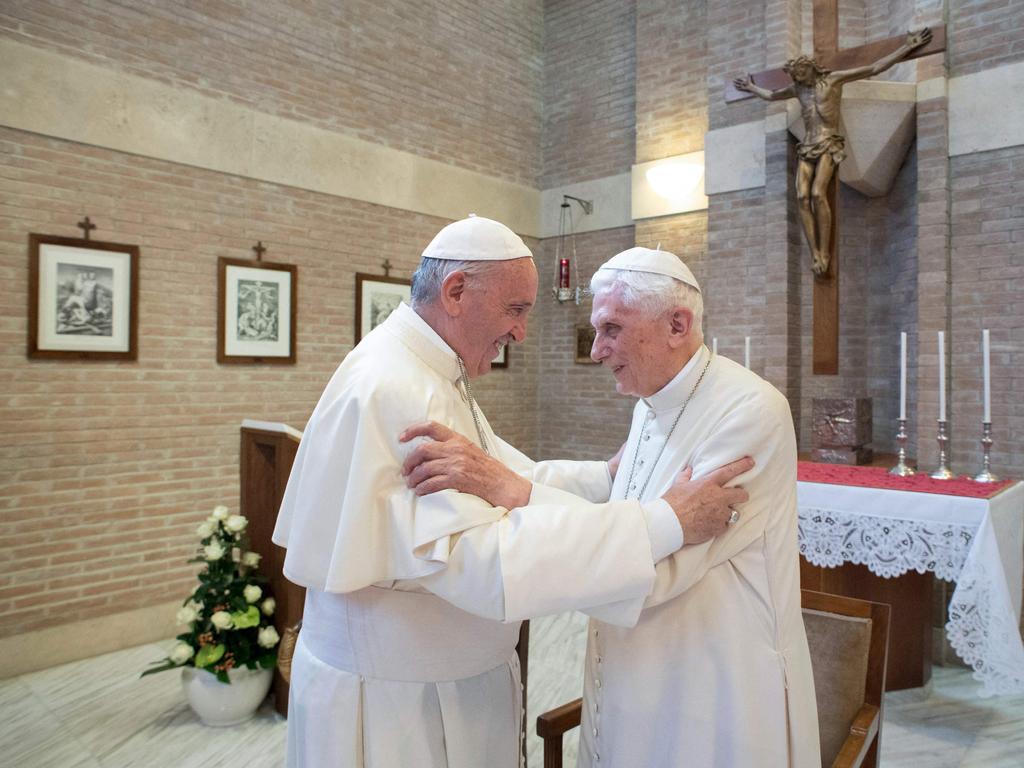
(817, 83)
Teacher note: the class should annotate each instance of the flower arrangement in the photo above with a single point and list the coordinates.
(228, 617)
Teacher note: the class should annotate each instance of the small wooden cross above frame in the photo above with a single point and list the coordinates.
(260, 249)
(817, 83)
(86, 226)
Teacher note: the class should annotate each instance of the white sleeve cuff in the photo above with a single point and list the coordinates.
(663, 528)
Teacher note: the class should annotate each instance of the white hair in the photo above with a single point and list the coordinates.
(654, 294)
(431, 273)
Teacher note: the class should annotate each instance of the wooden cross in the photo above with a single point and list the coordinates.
(86, 226)
(260, 250)
(829, 56)
(386, 266)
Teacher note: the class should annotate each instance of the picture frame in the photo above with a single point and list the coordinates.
(257, 304)
(377, 296)
(83, 298)
(501, 361)
(584, 343)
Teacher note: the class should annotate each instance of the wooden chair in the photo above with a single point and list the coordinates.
(848, 639)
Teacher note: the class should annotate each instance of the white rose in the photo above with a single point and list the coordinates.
(251, 559)
(268, 637)
(220, 512)
(252, 593)
(213, 550)
(181, 653)
(236, 523)
(187, 615)
(221, 620)
(268, 606)
(205, 529)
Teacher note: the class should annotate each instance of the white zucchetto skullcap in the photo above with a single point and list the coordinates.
(477, 239)
(656, 262)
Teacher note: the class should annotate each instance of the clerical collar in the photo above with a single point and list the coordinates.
(423, 340)
(675, 392)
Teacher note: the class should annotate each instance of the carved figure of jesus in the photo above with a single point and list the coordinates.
(823, 147)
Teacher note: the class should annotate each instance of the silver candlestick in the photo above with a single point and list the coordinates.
(902, 469)
(986, 476)
(943, 472)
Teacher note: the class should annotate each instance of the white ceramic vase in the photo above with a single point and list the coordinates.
(218, 704)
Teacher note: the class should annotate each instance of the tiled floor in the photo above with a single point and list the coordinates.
(98, 714)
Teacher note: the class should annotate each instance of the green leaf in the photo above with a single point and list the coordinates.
(247, 618)
(164, 666)
(209, 654)
(268, 659)
(222, 675)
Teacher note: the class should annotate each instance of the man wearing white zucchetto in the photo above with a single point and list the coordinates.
(407, 651)
(716, 672)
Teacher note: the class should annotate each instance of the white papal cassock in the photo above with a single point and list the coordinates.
(407, 650)
(716, 673)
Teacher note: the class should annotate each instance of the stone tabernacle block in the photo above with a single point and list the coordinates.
(840, 422)
(851, 456)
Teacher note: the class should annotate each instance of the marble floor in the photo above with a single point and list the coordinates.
(97, 713)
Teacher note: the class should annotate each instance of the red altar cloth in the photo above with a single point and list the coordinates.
(879, 477)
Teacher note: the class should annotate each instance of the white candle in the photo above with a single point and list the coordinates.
(903, 374)
(942, 376)
(714, 345)
(746, 351)
(985, 376)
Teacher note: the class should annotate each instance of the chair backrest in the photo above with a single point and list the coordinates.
(847, 639)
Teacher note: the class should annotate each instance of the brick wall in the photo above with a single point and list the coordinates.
(579, 415)
(590, 96)
(892, 303)
(985, 34)
(933, 269)
(671, 94)
(454, 80)
(736, 44)
(988, 292)
(589, 90)
(108, 467)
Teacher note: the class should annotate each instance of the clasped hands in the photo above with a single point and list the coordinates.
(450, 461)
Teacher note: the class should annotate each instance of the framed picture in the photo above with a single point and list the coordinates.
(584, 343)
(501, 361)
(256, 311)
(83, 298)
(376, 298)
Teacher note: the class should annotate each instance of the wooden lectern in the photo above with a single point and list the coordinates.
(266, 456)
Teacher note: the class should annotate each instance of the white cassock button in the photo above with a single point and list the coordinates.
(597, 757)
(595, 733)
(597, 708)
(647, 437)
(598, 682)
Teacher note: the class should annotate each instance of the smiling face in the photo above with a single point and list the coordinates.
(642, 349)
(491, 309)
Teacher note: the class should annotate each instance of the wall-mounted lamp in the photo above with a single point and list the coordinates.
(566, 272)
(667, 186)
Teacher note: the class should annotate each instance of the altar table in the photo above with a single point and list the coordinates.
(965, 532)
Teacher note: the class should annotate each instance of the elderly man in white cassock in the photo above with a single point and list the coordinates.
(716, 673)
(407, 651)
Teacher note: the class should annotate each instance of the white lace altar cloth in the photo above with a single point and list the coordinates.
(978, 543)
